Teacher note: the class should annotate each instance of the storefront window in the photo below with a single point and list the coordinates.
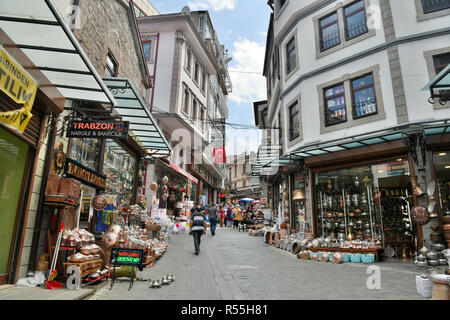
(13, 156)
(442, 173)
(87, 152)
(119, 168)
(366, 203)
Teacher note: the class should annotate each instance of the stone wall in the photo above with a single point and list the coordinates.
(108, 25)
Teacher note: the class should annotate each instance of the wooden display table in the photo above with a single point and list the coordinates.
(377, 252)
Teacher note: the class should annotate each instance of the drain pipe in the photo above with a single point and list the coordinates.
(40, 208)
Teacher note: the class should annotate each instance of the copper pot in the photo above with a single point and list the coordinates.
(340, 215)
(329, 215)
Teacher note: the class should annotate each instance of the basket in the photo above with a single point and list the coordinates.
(424, 287)
(355, 257)
(368, 258)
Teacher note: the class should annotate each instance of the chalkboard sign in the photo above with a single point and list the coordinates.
(126, 257)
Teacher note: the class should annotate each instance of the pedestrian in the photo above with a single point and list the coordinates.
(222, 216)
(198, 226)
(237, 217)
(229, 216)
(212, 215)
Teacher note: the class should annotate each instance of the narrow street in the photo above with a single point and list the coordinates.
(235, 266)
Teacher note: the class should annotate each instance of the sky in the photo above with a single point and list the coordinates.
(241, 26)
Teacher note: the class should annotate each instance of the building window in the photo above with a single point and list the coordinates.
(435, 5)
(441, 61)
(196, 71)
(290, 56)
(329, 32)
(364, 102)
(235, 170)
(202, 118)
(147, 46)
(111, 66)
(194, 110)
(186, 100)
(335, 109)
(204, 82)
(294, 122)
(188, 60)
(355, 21)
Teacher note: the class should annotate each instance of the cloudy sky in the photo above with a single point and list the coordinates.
(241, 26)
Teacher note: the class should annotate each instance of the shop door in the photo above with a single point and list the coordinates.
(13, 157)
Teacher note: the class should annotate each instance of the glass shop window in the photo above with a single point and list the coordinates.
(87, 152)
(365, 203)
(119, 168)
(147, 45)
(442, 174)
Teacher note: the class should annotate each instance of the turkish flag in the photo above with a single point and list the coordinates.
(219, 155)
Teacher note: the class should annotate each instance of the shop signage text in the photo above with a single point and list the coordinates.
(17, 84)
(97, 129)
(85, 175)
(126, 257)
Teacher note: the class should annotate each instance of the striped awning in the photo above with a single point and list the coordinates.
(132, 108)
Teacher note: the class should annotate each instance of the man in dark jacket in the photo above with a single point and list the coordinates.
(212, 215)
(198, 226)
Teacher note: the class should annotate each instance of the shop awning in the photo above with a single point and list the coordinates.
(132, 108)
(428, 128)
(439, 87)
(37, 28)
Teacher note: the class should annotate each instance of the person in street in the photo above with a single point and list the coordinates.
(212, 215)
(229, 216)
(198, 226)
(221, 216)
(237, 217)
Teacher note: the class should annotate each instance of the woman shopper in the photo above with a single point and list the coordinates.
(230, 216)
(221, 216)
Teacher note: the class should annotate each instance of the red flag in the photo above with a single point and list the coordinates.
(219, 155)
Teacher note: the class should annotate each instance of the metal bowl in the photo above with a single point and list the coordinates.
(432, 255)
(437, 246)
(433, 262)
(422, 263)
(443, 262)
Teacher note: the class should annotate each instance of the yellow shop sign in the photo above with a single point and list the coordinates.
(17, 84)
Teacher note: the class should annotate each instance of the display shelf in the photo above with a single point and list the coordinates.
(379, 252)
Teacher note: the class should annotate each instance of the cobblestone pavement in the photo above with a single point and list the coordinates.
(235, 266)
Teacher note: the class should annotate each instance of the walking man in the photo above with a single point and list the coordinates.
(198, 226)
(212, 215)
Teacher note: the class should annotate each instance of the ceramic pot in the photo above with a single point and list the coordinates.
(434, 236)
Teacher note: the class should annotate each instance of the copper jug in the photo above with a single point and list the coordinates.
(350, 235)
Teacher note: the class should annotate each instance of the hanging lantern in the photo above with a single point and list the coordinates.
(153, 186)
(164, 188)
(165, 196)
(165, 180)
